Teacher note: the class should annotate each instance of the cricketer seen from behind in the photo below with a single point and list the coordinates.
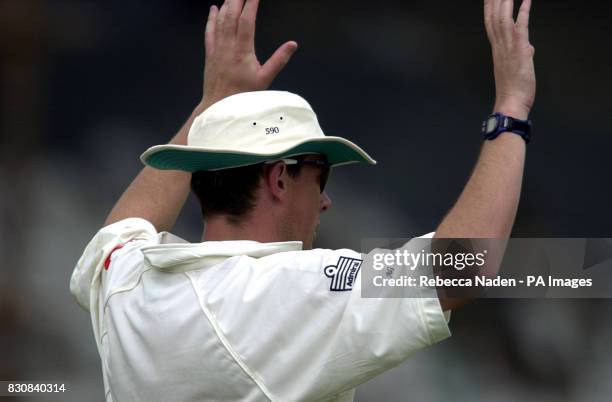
(254, 312)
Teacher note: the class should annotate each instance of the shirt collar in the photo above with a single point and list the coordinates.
(175, 254)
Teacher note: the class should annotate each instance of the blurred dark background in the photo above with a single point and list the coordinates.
(86, 86)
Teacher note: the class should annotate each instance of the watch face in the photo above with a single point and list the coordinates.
(491, 124)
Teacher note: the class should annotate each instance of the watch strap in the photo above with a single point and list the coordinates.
(508, 124)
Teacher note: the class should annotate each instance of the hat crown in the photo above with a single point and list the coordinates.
(262, 121)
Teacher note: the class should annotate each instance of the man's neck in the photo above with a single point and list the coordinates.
(221, 229)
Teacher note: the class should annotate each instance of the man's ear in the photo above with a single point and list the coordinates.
(275, 180)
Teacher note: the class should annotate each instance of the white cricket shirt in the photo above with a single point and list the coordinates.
(238, 320)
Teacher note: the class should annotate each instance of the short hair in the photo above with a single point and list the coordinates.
(230, 192)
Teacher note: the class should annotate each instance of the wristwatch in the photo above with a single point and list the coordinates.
(498, 123)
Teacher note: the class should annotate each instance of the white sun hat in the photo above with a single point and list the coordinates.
(253, 127)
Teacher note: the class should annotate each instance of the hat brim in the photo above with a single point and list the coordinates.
(339, 151)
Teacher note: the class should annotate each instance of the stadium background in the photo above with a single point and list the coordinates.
(87, 86)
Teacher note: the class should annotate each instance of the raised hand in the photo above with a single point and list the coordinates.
(231, 64)
(515, 82)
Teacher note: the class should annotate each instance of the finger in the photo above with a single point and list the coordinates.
(278, 61)
(209, 36)
(234, 8)
(507, 20)
(522, 20)
(246, 26)
(495, 17)
(220, 26)
(488, 19)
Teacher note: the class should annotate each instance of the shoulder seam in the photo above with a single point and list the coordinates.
(124, 289)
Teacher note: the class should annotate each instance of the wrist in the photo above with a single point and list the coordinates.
(515, 111)
(181, 137)
(204, 104)
(213, 95)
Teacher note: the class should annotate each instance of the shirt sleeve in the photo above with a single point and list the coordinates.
(375, 334)
(300, 324)
(85, 280)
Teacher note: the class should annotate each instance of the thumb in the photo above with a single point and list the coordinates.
(278, 61)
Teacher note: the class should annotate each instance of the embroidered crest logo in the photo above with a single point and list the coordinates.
(343, 274)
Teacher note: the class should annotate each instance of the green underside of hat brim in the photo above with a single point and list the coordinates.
(191, 160)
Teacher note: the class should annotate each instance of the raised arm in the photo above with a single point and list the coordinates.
(487, 206)
(231, 67)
